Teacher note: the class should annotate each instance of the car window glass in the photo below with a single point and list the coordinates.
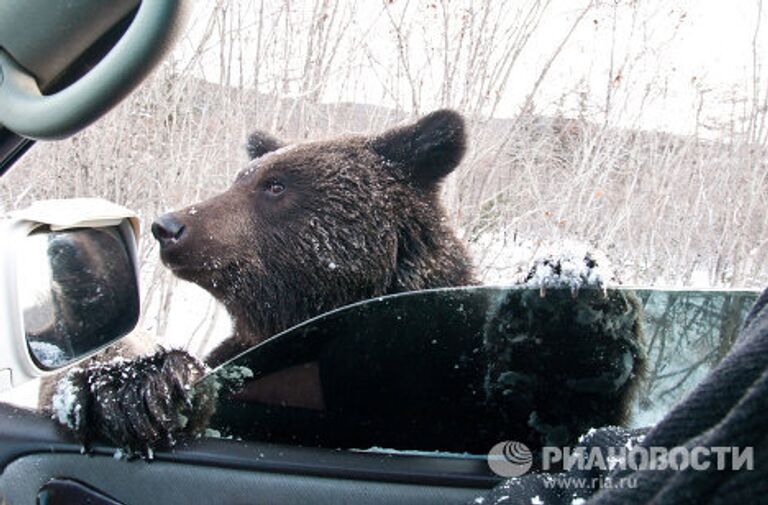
(410, 371)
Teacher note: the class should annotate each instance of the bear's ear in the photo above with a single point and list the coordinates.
(260, 143)
(426, 151)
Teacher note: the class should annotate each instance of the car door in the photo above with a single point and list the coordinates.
(402, 419)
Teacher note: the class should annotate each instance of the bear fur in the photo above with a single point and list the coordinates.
(355, 218)
(304, 229)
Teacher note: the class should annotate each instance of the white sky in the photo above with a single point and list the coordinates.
(675, 51)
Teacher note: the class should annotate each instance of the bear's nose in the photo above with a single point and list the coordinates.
(167, 230)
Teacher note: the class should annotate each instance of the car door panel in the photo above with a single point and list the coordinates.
(140, 482)
(34, 450)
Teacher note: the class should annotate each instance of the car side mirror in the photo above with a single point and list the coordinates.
(68, 284)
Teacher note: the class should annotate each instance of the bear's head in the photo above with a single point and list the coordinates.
(313, 226)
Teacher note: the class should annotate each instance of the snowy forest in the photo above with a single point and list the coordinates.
(621, 124)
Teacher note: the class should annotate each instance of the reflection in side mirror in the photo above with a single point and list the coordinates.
(78, 292)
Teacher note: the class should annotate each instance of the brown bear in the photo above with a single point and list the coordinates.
(310, 227)
(304, 229)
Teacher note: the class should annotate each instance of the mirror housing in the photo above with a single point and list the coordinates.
(68, 284)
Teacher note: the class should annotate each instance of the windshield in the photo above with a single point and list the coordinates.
(417, 371)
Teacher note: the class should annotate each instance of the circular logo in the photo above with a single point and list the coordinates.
(510, 459)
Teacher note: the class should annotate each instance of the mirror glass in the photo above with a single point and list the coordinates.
(78, 292)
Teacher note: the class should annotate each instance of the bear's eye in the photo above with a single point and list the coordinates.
(274, 188)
